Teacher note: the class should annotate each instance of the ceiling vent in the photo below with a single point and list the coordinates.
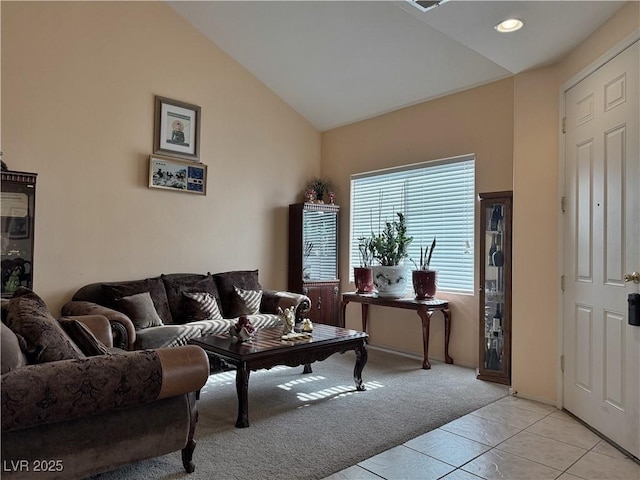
(425, 6)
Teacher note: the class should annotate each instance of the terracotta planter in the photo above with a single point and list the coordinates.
(363, 279)
(424, 283)
(391, 282)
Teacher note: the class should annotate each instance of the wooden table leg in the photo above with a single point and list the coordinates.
(365, 316)
(242, 387)
(343, 306)
(361, 361)
(447, 333)
(425, 316)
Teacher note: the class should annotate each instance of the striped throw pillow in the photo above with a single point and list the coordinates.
(249, 299)
(201, 306)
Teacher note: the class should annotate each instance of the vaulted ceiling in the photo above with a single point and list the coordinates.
(338, 62)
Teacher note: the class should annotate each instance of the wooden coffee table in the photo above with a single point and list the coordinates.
(266, 350)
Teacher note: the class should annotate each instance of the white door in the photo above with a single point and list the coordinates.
(602, 244)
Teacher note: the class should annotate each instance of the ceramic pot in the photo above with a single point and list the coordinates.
(424, 283)
(363, 277)
(391, 282)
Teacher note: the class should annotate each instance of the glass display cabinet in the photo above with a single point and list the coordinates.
(313, 258)
(17, 203)
(496, 214)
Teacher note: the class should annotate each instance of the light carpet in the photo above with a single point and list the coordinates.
(310, 426)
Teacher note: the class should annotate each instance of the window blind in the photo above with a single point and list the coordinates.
(437, 199)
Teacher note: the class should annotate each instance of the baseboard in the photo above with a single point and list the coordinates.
(416, 356)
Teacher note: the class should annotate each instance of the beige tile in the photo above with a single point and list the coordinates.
(527, 404)
(572, 433)
(447, 447)
(596, 466)
(353, 473)
(481, 430)
(498, 465)
(605, 448)
(560, 415)
(404, 463)
(543, 450)
(509, 415)
(460, 475)
(568, 476)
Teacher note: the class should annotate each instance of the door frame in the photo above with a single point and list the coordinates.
(572, 82)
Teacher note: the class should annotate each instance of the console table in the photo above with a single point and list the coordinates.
(425, 309)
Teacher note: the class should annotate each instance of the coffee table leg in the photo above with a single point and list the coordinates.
(242, 387)
(361, 361)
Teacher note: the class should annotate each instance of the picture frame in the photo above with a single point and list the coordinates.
(177, 129)
(177, 175)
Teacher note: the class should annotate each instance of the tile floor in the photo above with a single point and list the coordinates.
(512, 438)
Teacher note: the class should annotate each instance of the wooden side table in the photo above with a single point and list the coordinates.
(424, 308)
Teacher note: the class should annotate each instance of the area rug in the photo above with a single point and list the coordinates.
(310, 426)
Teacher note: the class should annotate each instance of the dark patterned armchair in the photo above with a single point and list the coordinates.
(73, 406)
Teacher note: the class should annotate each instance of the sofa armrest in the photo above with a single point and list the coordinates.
(69, 389)
(123, 331)
(98, 325)
(272, 300)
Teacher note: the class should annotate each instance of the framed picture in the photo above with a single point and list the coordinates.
(179, 175)
(177, 129)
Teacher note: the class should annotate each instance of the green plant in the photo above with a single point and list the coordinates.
(425, 256)
(365, 248)
(390, 245)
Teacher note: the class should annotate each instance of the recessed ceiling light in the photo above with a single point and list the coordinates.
(509, 25)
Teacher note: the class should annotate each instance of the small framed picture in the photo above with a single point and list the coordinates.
(177, 129)
(179, 175)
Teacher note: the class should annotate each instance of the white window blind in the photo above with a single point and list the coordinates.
(437, 199)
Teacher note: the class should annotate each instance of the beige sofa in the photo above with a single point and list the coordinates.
(73, 406)
(181, 306)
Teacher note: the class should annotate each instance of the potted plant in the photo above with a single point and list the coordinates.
(321, 187)
(363, 275)
(424, 279)
(390, 250)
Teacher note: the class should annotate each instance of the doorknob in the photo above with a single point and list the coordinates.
(632, 277)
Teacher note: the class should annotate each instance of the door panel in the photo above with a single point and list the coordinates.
(601, 382)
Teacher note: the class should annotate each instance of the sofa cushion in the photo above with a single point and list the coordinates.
(140, 309)
(176, 284)
(166, 336)
(11, 350)
(155, 287)
(28, 315)
(83, 337)
(200, 306)
(244, 279)
(245, 302)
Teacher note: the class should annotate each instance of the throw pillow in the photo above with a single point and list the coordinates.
(140, 309)
(11, 350)
(175, 284)
(155, 287)
(200, 306)
(246, 302)
(28, 316)
(83, 337)
(227, 281)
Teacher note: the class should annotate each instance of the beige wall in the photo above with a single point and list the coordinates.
(536, 275)
(78, 86)
(478, 121)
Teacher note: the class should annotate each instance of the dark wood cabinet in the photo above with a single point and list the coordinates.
(313, 258)
(17, 230)
(496, 213)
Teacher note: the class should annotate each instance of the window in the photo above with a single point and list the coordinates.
(437, 199)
